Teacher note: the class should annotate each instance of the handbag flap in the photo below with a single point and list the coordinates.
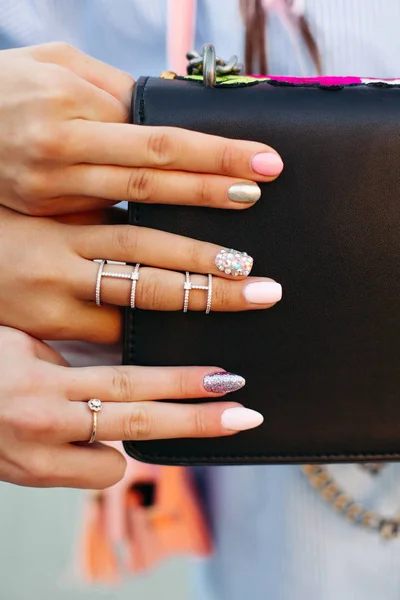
(323, 365)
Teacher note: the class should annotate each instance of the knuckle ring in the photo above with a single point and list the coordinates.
(95, 405)
(133, 277)
(188, 286)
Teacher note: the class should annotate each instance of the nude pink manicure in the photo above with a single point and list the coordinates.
(240, 418)
(263, 292)
(268, 164)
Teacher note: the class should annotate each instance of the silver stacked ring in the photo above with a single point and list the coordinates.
(133, 277)
(188, 286)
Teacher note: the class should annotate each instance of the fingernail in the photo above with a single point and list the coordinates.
(248, 193)
(240, 419)
(233, 262)
(223, 382)
(267, 163)
(263, 292)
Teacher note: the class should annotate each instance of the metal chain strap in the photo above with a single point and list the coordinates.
(207, 65)
(372, 468)
(330, 492)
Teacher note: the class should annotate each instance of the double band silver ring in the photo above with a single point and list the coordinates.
(133, 277)
(188, 286)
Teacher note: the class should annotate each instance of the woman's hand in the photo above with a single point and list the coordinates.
(44, 413)
(48, 277)
(66, 145)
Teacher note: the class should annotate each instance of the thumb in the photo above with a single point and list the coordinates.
(48, 354)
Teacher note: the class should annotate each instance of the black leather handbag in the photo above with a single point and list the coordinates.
(323, 365)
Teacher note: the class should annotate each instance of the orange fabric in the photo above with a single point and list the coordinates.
(116, 518)
(98, 558)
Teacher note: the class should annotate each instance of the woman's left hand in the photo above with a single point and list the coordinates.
(48, 277)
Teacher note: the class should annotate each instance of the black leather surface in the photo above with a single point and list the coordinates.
(323, 366)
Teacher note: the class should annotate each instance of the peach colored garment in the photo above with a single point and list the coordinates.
(120, 535)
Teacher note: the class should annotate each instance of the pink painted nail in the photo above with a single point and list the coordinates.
(263, 292)
(268, 164)
(240, 418)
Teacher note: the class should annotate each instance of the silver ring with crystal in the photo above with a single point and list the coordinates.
(133, 277)
(188, 286)
(95, 405)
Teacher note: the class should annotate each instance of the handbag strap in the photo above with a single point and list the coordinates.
(320, 479)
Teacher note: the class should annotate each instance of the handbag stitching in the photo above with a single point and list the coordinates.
(134, 214)
(294, 457)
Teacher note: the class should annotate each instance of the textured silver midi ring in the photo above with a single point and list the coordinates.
(188, 286)
(95, 406)
(133, 277)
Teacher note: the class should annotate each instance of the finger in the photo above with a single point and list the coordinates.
(48, 354)
(100, 326)
(84, 100)
(156, 186)
(162, 290)
(93, 467)
(79, 204)
(103, 106)
(155, 421)
(158, 249)
(108, 78)
(57, 206)
(131, 383)
(175, 149)
(14, 340)
(94, 216)
(86, 322)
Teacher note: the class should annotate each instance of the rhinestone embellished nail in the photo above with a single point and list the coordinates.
(233, 262)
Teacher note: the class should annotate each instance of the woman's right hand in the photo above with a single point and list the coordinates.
(44, 413)
(66, 145)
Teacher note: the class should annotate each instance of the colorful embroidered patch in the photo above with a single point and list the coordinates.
(303, 81)
(231, 79)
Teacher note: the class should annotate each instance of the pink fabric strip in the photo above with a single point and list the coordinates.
(180, 33)
(328, 81)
